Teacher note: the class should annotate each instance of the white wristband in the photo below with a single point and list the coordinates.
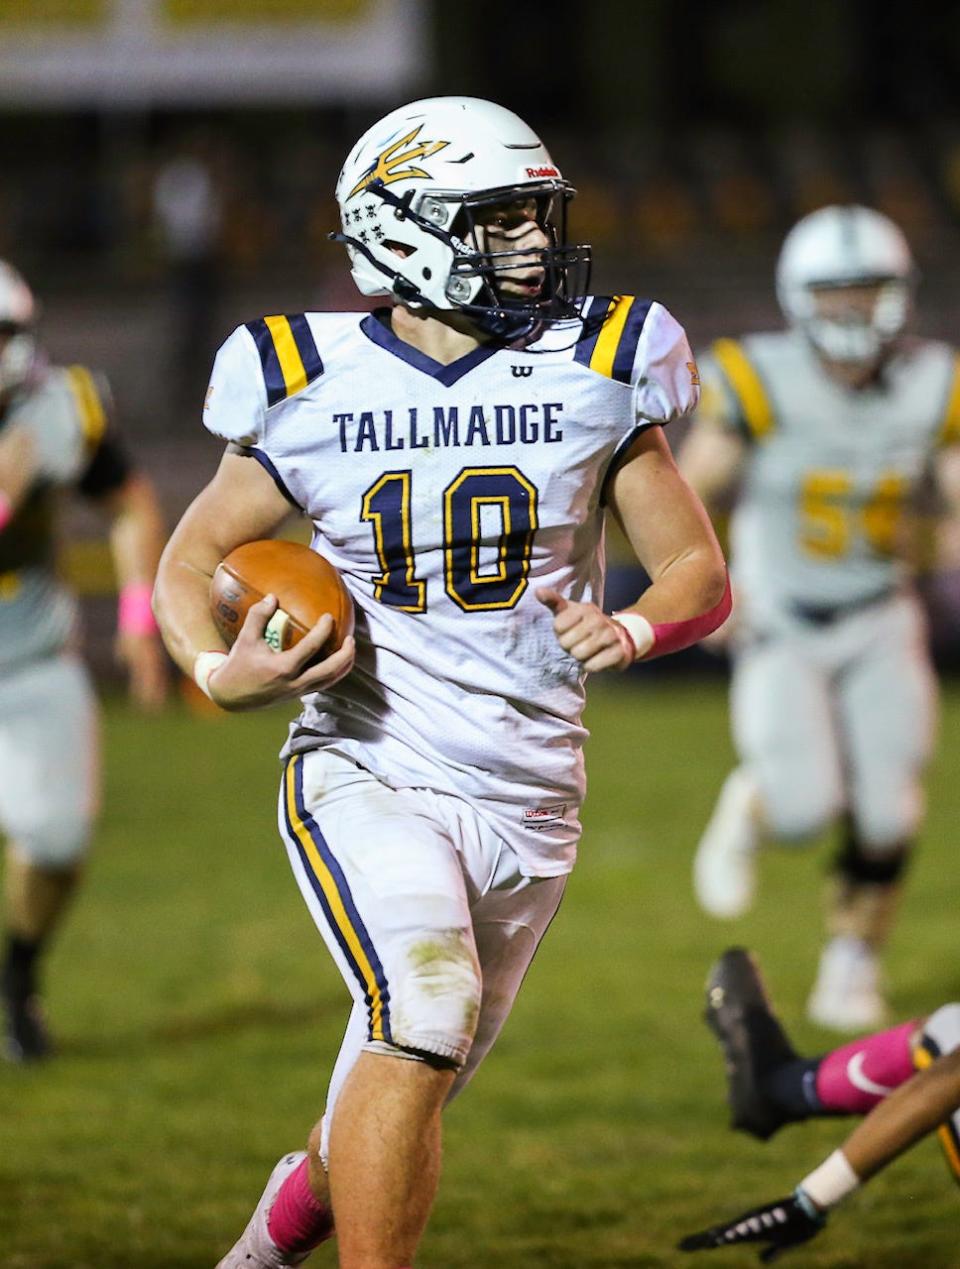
(204, 666)
(831, 1182)
(639, 630)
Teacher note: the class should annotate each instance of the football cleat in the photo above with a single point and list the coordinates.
(27, 1038)
(846, 995)
(724, 868)
(255, 1248)
(740, 1015)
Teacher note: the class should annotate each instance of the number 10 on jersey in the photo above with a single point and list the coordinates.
(467, 505)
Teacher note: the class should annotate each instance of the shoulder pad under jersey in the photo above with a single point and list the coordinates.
(67, 413)
(261, 364)
(639, 343)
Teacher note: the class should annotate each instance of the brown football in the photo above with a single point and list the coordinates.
(305, 584)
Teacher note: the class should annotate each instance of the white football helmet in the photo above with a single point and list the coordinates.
(18, 313)
(839, 247)
(408, 196)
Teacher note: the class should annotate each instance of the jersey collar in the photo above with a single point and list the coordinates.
(380, 333)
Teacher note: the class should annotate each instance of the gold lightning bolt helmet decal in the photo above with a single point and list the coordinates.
(389, 166)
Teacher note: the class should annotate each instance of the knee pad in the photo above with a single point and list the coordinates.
(435, 1003)
(861, 864)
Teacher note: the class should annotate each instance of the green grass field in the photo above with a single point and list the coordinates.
(198, 1016)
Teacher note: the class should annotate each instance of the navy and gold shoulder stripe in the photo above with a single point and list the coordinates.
(288, 355)
(748, 388)
(611, 332)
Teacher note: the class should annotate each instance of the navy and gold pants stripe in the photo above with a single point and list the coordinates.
(333, 894)
(924, 1055)
(288, 355)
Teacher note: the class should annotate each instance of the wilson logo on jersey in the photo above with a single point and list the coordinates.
(389, 166)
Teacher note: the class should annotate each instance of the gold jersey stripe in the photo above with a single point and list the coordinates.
(950, 428)
(747, 387)
(922, 1058)
(334, 901)
(288, 354)
(609, 338)
(93, 417)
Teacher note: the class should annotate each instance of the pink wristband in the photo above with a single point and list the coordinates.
(672, 636)
(6, 511)
(134, 613)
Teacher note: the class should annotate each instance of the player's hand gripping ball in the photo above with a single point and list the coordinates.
(305, 584)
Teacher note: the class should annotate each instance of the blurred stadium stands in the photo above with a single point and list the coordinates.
(696, 134)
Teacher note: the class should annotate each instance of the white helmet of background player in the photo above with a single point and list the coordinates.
(18, 312)
(839, 247)
(409, 194)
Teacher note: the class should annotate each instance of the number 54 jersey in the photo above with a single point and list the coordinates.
(446, 495)
(823, 519)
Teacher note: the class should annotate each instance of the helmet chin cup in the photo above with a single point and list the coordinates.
(410, 193)
(861, 339)
(856, 342)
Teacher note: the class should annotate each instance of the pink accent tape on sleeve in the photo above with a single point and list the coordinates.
(6, 511)
(672, 636)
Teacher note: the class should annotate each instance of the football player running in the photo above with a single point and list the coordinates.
(56, 433)
(905, 1081)
(455, 453)
(829, 431)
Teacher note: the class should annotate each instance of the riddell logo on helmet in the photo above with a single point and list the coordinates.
(542, 171)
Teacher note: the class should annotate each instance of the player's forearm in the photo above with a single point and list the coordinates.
(692, 582)
(18, 470)
(912, 1111)
(136, 532)
(682, 607)
(181, 604)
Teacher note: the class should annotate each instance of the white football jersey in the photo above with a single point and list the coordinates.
(445, 494)
(832, 472)
(66, 414)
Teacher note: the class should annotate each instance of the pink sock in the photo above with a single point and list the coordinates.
(853, 1079)
(298, 1220)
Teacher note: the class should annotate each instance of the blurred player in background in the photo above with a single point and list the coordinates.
(55, 433)
(905, 1080)
(450, 451)
(830, 430)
